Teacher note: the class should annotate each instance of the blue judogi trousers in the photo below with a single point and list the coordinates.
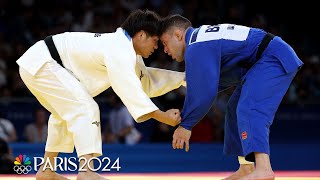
(252, 107)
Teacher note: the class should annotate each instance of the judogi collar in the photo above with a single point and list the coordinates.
(127, 34)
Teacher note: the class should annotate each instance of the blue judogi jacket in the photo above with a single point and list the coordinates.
(214, 59)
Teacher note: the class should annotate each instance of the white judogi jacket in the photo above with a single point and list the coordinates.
(100, 61)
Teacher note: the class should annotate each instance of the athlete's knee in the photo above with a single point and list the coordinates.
(86, 111)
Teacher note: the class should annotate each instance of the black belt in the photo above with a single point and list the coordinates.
(262, 46)
(53, 50)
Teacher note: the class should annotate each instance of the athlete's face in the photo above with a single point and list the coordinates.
(150, 44)
(174, 44)
(145, 44)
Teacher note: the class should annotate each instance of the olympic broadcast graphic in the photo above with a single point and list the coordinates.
(22, 164)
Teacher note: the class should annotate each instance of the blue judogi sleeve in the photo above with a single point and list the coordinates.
(202, 76)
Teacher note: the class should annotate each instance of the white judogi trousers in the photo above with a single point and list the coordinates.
(75, 116)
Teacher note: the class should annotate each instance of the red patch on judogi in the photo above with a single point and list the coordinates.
(244, 135)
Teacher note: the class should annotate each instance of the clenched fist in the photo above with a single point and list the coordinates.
(172, 117)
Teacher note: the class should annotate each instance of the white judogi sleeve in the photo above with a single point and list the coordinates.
(157, 82)
(126, 84)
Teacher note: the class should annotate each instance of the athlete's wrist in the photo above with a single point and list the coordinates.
(158, 115)
(185, 126)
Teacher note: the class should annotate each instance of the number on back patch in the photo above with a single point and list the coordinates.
(212, 29)
(221, 31)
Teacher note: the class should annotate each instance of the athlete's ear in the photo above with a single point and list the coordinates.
(178, 33)
(144, 34)
(140, 34)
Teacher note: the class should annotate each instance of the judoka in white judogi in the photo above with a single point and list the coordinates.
(91, 64)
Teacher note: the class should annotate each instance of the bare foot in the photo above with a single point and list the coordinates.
(90, 176)
(260, 175)
(49, 175)
(244, 169)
